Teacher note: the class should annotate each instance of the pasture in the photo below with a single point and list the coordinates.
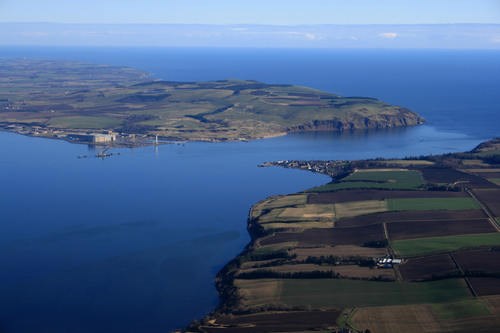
(423, 246)
(461, 316)
(89, 122)
(278, 202)
(325, 293)
(300, 213)
(362, 195)
(355, 208)
(381, 179)
(340, 293)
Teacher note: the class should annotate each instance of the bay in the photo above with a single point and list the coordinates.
(133, 242)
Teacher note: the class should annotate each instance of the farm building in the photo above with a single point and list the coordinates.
(388, 262)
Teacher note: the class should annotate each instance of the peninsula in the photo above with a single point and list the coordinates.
(122, 106)
(408, 245)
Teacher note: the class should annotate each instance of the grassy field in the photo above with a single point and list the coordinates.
(462, 309)
(381, 179)
(335, 293)
(309, 211)
(406, 163)
(495, 180)
(422, 246)
(259, 292)
(297, 225)
(356, 208)
(279, 202)
(299, 213)
(85, 122)
(347, 293)
(472, 315)
(415, 318)
(432, 204)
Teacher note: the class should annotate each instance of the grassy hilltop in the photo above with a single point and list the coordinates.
(65, 96)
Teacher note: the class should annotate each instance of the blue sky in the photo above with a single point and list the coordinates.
(277, 12)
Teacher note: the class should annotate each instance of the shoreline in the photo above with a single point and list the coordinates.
(140, 140)
(231, 303)
(144, 140)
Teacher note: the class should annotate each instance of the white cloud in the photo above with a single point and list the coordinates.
(239, 29)
(388, 35)
(304, 35)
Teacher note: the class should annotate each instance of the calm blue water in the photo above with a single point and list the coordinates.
(132, 243)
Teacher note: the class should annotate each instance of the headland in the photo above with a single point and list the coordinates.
(121, 106)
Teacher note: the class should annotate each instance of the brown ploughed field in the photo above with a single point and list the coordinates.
(335, 236)
(486, 261)
(488, 174)
(448, 176)
(276, 322)
(339, 251)
(405, 216)
(491, 199)
(428, 268)
(432, 228)
(485, 285)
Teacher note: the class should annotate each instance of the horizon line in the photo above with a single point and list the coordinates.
(247, 24)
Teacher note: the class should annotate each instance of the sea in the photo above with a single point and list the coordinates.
(132, 243)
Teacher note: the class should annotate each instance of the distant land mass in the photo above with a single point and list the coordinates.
(390, 36)
(125, 106)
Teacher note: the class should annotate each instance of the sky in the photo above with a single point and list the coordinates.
(274, 12)
(470, 24)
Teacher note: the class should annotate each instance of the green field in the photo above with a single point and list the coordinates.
(85, 122)
(346, 293)
(495, 180)
(397, 180)
(462, 309)
(422, 246)
(432, 204)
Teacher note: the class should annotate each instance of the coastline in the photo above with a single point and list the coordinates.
(147, 140)
(233, 306)
(124, 107)
(144, 140)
